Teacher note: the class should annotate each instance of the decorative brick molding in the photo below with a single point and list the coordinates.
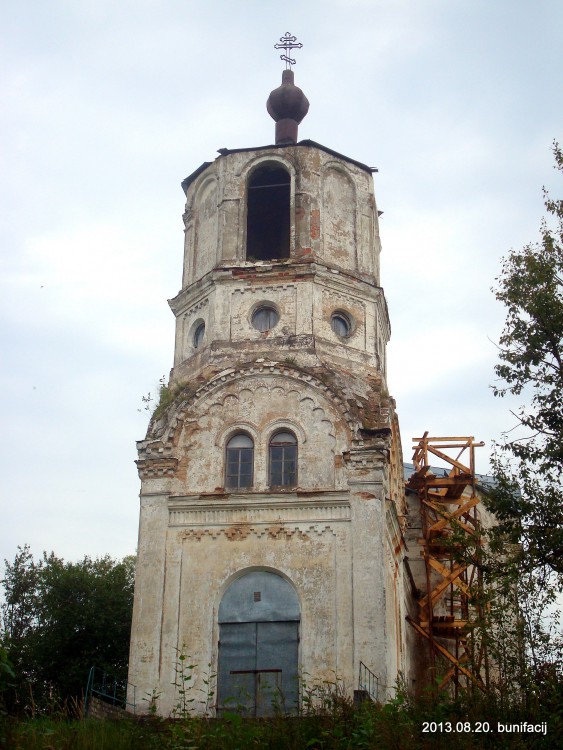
(243, 531)
(195, 308)
(164, 433)
(157, 467)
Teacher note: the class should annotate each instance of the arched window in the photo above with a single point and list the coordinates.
(199, 333)
(340, 324)
(239, 463)
(267, 223)
(283, 460)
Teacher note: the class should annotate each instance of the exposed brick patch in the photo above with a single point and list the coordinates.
(99, 709)
(315, 224)
(235, 533)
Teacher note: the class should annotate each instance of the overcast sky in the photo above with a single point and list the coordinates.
(108, 105)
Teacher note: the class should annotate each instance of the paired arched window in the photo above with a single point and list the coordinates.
(268, 213)
(282, 463)
(283, 460)
(240, 462)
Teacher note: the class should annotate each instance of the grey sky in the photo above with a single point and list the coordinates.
(107, 106)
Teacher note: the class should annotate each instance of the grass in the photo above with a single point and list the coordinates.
(56, 734)
(339, 726)
(328, 720)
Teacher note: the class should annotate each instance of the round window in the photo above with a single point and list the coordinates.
(199, 333)
(340, 324)
(264, 318)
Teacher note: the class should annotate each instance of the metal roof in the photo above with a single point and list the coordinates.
(483, 480)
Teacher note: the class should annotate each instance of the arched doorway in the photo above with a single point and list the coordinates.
(258, 646)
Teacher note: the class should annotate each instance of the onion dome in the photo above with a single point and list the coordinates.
(287, 105)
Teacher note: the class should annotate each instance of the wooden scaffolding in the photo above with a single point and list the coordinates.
(451, 540)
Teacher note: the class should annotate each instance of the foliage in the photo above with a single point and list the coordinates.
(187, 703)
(520, 627)
(61, 618)
(63, 734)
(166, 395)
(528, 468)
(7, 676)
(335, 724)
(523, 566)
(148, 400)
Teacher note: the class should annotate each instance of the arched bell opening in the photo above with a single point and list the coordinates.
(268, 213)
(259, 619)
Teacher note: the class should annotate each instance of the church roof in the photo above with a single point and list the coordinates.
(483, 481)
(311, 144)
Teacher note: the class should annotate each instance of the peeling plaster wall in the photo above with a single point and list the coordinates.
(330, 545)
(338, 220)
(305, 298)
(333, 211)
(337, 535)
(261, 405)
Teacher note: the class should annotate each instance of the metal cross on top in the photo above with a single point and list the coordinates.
(288, 43)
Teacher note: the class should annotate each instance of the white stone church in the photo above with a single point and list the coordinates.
(272, 503)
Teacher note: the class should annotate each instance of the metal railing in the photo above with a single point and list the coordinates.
(368, 682)
(109, 689)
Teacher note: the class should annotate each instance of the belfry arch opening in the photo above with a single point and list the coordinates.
(268, 213)
(259, 618)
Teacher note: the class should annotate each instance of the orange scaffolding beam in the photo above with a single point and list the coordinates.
(451, 539)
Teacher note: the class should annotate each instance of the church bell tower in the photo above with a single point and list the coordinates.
(270, 541)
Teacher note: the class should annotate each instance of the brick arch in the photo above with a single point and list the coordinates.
(166, 429)
(296, 382)
(261, 160)
(319, 417)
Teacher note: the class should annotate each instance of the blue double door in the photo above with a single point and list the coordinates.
(258, 647)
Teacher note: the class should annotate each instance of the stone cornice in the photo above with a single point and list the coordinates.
(258, 509)
(278, 273)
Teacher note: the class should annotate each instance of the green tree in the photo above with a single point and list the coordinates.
(60, 618)
(19, 609)
(523, 564)
(528, 466)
